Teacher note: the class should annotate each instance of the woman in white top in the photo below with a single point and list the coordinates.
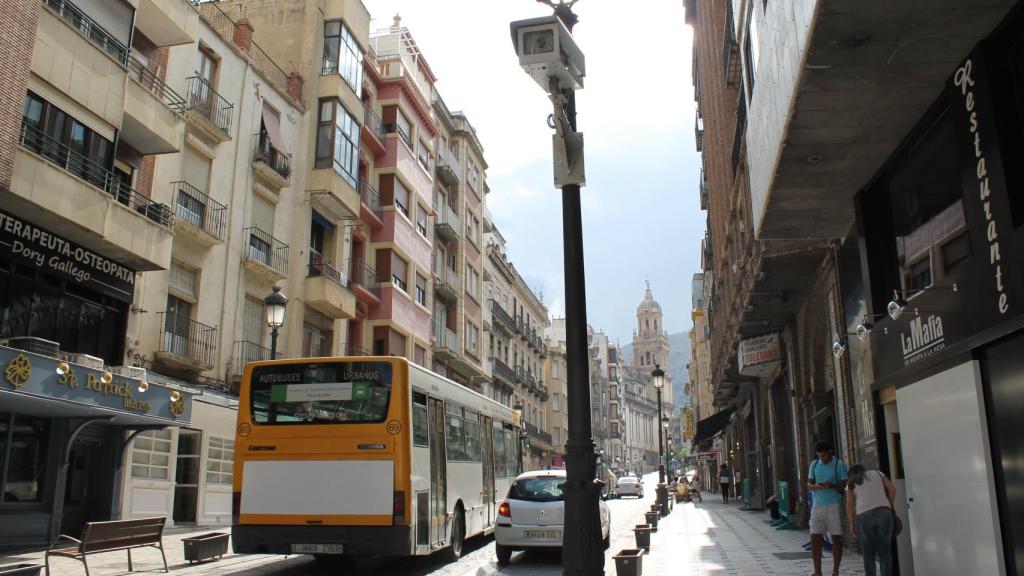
(869, 500)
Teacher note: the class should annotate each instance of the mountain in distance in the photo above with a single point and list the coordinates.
(678, 358)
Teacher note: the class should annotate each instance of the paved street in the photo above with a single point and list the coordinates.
(706, 539)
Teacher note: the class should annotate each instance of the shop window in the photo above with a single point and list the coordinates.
(23, 442)
(220, 459)
(151, 455)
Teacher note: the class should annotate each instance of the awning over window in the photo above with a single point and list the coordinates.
(712, 426)
(272, 124)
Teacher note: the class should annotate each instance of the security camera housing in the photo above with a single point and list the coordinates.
(546, 49)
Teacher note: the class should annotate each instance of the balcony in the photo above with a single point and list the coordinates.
(373, 130)
(504, 319)
(185, 345)
(370, 210)
(698, 132)
(246, 352)
(446, 344)
(703, 191)
(266, 255)
(446, 280)
(740, 132)
(730, 50)
(167, 22)
(88, 203)
(335, 196)
(89, 28)
(271, 165)
(153, 113)
(200, 217)
(448, 168)
(447, 223)
(538, 437)
(365, 283)
(207, 111)
(328, 290)
(503, 371)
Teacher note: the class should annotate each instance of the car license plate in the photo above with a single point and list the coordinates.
(543, 534)
(318, 548)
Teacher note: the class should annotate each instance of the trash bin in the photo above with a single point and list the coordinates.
(652, 519)
(205, 546)
(629, 562)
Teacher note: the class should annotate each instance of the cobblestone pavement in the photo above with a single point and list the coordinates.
(705, 539)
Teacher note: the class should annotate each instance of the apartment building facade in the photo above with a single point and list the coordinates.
(517, 352)
(557, 406)
(81, 232)
(874, 219)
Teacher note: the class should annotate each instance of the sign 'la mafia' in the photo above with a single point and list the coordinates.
(924, 338)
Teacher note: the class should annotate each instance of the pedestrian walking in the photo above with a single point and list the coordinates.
(724, 480)
(869, 497)
(826, 478)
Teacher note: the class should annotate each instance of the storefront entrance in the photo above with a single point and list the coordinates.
(85, 490)
(186, 477)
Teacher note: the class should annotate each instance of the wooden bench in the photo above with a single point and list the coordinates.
(109, 537)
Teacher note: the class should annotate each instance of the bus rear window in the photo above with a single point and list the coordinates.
(320, 393)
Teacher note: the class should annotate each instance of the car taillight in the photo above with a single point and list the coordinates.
(236, 505)
(398, 510)
(505, 510)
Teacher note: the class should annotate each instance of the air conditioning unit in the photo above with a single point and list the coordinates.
(129, 372)
(84, 360)
(159, 213)
(33, 345)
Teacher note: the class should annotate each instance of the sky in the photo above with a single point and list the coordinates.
(641, 210)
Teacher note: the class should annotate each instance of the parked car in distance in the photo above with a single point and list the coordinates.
(533, 515)
(628, 486)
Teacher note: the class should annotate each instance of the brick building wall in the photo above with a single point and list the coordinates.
(18, 22)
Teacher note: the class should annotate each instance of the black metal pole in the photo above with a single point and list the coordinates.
(582, 552)
(273, 343)
(662, 488)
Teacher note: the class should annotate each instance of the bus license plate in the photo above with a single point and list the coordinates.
(543, 534)
(318, 548)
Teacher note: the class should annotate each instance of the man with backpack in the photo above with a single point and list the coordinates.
(826, 478)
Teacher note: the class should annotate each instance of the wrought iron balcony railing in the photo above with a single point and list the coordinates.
(267, 250)
(368, 195)
(504, 371)
(270, 155)
(366, 277)
(246, 351)
(155, 85)
(204, 99)
(77, 164)
(186, 338)
(373, 122)
(317, 267)
(89, 28)
(198, 209)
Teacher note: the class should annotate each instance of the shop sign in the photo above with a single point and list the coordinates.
(990, 288)
(708, 456)
(759, 356)
(46, 377)
(34, 245)
(688, 431)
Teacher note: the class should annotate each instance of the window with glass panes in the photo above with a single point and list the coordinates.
(151, 454)
(401, 194)
(404, 127)
(472, 338)
(473, 282)
(342, 55)
(399, 271)
(337, 141)
(23, 449)
(421, 219)
(423, 155)
(220, 459)
(421, 290)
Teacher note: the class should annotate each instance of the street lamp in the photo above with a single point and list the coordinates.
(275, 303)
(658, 378)
(548, 53)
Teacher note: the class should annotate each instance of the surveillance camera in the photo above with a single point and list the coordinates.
(546, 50)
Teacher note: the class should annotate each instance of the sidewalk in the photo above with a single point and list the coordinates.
(712, 538)
(147, 560)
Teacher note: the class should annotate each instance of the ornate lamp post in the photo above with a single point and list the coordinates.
(658, 379)
(275, 303)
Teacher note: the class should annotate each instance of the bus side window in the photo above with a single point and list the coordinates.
(420, 436)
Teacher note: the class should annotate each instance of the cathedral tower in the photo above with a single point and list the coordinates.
(650, 344)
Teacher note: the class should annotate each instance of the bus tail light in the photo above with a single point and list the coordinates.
(236, 506)
(505, 510)
(398, 510)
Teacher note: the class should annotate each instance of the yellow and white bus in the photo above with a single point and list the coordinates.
(366, 456)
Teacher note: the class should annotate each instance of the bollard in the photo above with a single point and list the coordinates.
(642, 532)
(652, 519)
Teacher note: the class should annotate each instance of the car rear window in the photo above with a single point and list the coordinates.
(537, 489)
(627, 480)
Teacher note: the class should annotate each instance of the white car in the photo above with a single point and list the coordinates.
(532, 515)
(628, 486)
